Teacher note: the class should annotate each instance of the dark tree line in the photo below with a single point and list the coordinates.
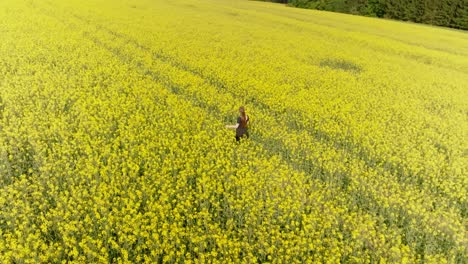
(448, 13)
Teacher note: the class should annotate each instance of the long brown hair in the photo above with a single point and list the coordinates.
(243, 117)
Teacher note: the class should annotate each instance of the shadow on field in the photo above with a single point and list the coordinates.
(339, 64)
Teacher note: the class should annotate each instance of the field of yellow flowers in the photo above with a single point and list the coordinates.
(113, 147)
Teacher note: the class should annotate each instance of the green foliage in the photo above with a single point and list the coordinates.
(376, 8)
(304, 3)
(337, 5)
(275, 1)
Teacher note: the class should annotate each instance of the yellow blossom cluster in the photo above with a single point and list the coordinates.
(113, 147)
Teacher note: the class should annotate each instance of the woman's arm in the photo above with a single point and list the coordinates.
(233, 126)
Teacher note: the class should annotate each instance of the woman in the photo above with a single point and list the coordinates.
(242, 124)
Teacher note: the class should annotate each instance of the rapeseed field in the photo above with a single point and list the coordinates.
(113, 146)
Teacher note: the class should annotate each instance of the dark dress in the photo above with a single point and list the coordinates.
(241, 130)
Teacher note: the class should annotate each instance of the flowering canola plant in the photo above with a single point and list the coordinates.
(113, 147)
